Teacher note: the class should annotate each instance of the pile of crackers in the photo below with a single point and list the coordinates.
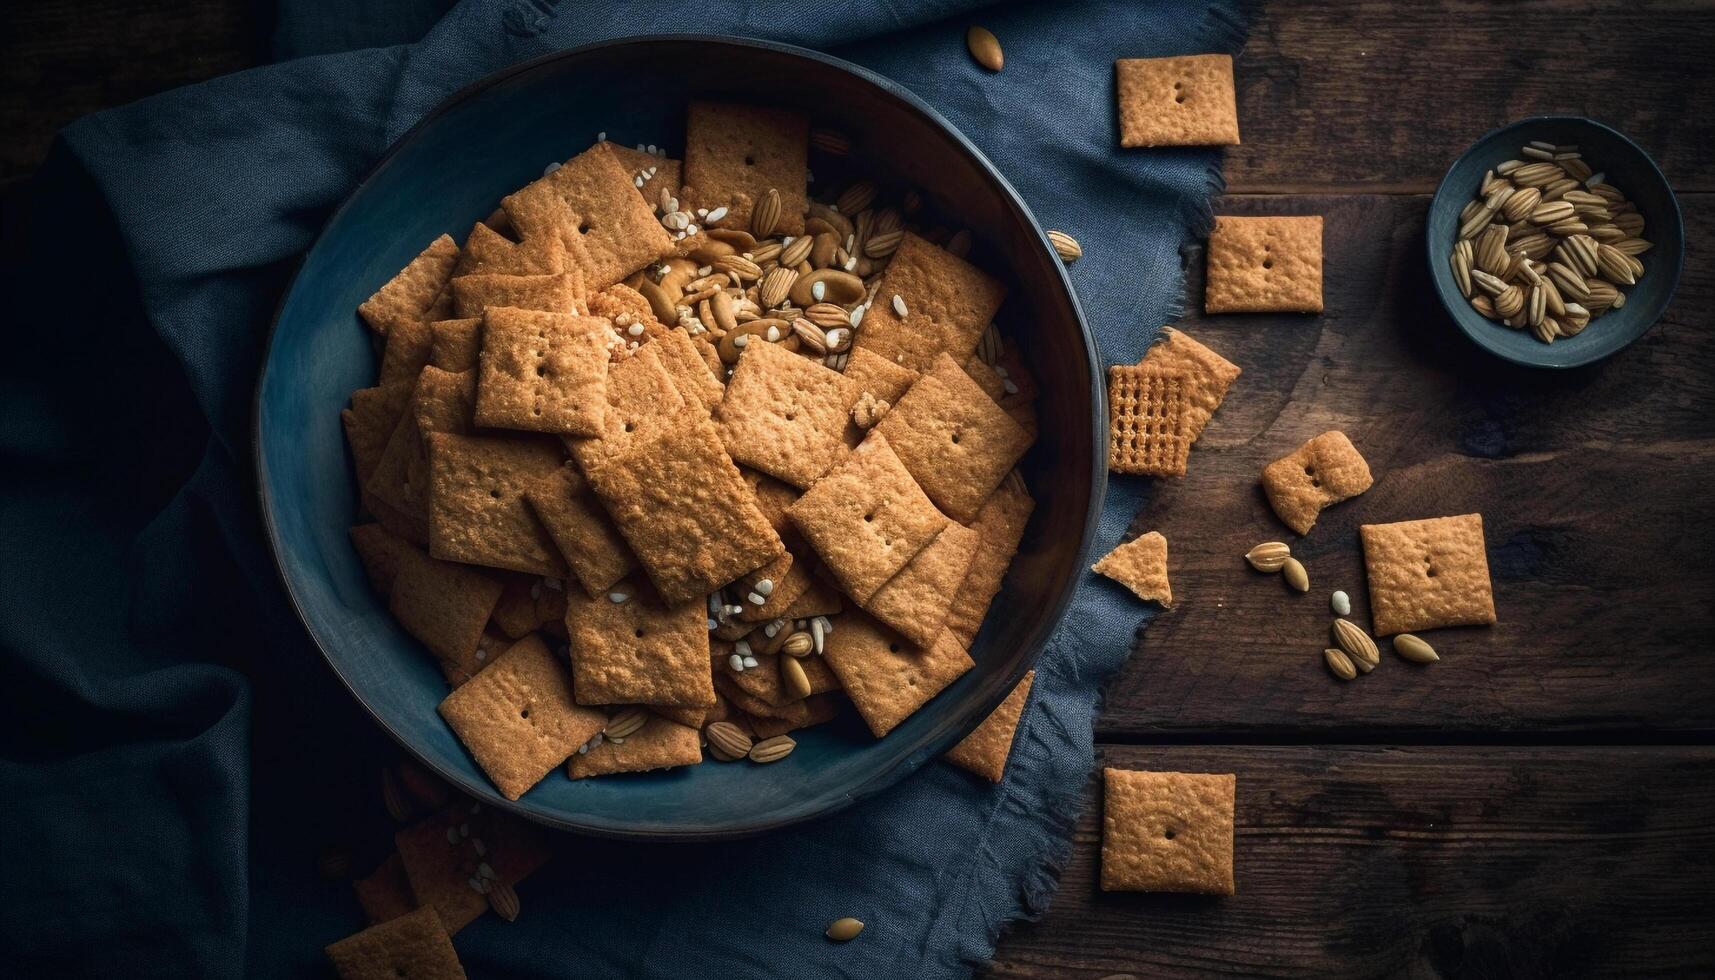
(668, 444)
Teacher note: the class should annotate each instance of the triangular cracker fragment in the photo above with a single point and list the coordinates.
(382, 553)
(586, 537)
(410, 294)
(477, 512)
(386, 893)
(955, 441)
(443, 604)
(948, 304)
(1323, 471)
(1428, 574)
(559, 293)
(593, 205)
(1181, 101)
(487, 251)
(1000, 525)
(1167, 832)
(734, 154)
(441, 856)
(867, 518)
(878, 375)
(989, 380)
(1209, 374)
(784, 414)
(1147, 418)
(1264, 265)
(634, 321)
(916, 601)
(543, 372)
(886, 676)
(456, 344)
(985, 750)
(659, 744)
(1141, 566)
(414, 945)
(518, 718)
(635, 651)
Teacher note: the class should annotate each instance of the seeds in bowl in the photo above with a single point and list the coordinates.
(1547, 244)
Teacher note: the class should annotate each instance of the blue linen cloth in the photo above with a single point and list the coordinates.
(176, 755)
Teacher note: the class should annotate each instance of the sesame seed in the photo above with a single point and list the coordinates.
(765, 586)
(1011, 388)
(702, 212)
(742, 647)
(736, 662)
(639, 180)
(713, 624)
(617, 597)
(857, 315)
(550, 168)
(773, 334)
(816, 632)
(773, 628)
(734, 610)
(756, 600)
(482, 655)
(741, 340)
(601, 137)
(898, 304)
(818, 289)
(690, 229)
(851, 263)
(636, 330)
(749, 662)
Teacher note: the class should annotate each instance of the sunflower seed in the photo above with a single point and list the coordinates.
(1414, 649)
(1293, 571)
(793, 678)
(773, 749)
(1356, 643)
(1065, 246)
(844, 930)
(1339, 664)
(985, 48)
(625, 723)
(1268, 556)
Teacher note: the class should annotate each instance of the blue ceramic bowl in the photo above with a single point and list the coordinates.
(1627, 167)
(448, 172)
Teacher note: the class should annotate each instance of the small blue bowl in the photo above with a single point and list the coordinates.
(1627, 167)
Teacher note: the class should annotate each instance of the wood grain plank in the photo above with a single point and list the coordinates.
(1593, 485)
(1424, 862)
(1368, 95)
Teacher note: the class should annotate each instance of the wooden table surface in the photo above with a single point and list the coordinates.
(1541, 802)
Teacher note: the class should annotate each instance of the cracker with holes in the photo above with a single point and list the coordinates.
(734, 154)
(1428, 574)
(409, 296)
(1322, 472)
(487, 251)
(518, 717)
(1167, 832)
(659, 744)
(785, 415)
(592, 204)
(916, 601)
(1264, 265)
(561, 293)
(1208, 373)
(1186, 100)
(867, 518)
(1141, 566)
(887, 676)
(543, 372)
(643, 404)
(1147, 420)
(930, 302)
(592, 547)
(985, 750)
(955, 441)
(627, 648)
(477, 512)
(1000, 527)
(443, 604)
(414, 945)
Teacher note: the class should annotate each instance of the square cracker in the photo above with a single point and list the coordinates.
(879, 376)
(885, 675)
(1210, 375)
(414, 945)
(735, 153)
(477, 512)
(916, 601)
(456, 344)
(681, 504)
(561, 293)
(784, 414)
(1264, 265)
(440, 857)
(410, 294)
(1181, 101)
(659, 744)
(408, 346)
(643, 404)
(1147, 418)
(955, 441)
(543, 372)
(443, 604)
(1323, 471)
(948, 304)
(1427, 574)
(517, 717)
(867, 518)
(586, 537)
(369, 423)
(985, 750)
(1141, 566)
(1000, 527)
(1167, 832)
(488, 251)
(593, 205)
(658, 173)
(636, 651)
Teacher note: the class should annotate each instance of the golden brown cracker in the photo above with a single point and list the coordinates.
(407, 350)
(1209, 374)
(657, 173)
(1147, 420)
(1186, 100)
(415, 945)
(1167, 832)
(456, 344)
(1264, 265)
(592, 201)
(586, 537)
(440, 402)
(1141, 566)
(885, 675)
(784, 414)
(1000, 527)
(691, 374)
(818, 709)
(560, 293)
(916, 601)
(735, 153)
(477, 512)
(948, 303)
(659, 744)
(1323, 471)
(487, 251)
(955, 441)
(543, 372)
(1428, 574)
(879, 376)
(443, 604)
(410, 294)
(985, 750)
(627, 649)
(643, 405)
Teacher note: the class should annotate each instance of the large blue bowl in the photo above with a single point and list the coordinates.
(1627, 167)
(449, 171)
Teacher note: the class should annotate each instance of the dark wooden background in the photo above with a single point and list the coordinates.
(1542, 802)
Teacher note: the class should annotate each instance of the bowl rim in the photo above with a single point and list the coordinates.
(1436, 267)
(875, 782)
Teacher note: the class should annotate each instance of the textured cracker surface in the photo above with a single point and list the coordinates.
(543, 372)
(886, 676)
(612, 664)
(878, 375)
(382, 553)
(581, 529)
(697, 384)
(1209, 373)
(659, 744)
(735, 153)
(477, 512)
(386, 893)
(558, 293)
(456, 344)
(1426, 574)
(1000, 527)
(953, 439)
(439, 871)
(643, 404)
(637, 161)
(1181, 101)
(985, 750)
(916, 601)
(764, 682)
(518, 718)
(1147, 419)
(1264, 265)
(369, 423)
(407, 350)
(1141, 566)
(443, 604)
(948, 304)
(487, 251)
(1167, 832)
(414, 945)
(784, 414)
(867, 518)
(592, 204)
(440, 402)
(409, 295)
(1323, 471)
